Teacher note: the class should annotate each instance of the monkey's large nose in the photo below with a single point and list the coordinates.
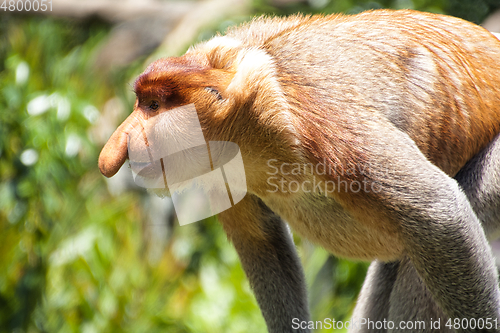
(115, 152)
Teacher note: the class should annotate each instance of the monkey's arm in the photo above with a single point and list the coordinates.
(443, 237)
(270, 261)
(394, 290)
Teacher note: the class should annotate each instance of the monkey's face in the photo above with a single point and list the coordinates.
(213, 93)
(174, 96)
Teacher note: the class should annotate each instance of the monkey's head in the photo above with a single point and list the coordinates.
(234, 91)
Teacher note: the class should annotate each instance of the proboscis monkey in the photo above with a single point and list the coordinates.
(356, 131)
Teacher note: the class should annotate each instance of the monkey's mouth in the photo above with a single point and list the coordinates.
(149, 174)
(181, 166)
(175, 168)
(145, 168)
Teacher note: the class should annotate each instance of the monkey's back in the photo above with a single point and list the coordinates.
(436, 78)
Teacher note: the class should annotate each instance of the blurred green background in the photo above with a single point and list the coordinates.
(79, 253)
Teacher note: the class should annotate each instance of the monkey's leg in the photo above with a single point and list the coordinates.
(411, 303)
(480, 180)
(373, 300)
(394, 292)
(270, 261)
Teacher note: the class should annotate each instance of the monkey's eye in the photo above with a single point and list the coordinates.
(154, 105)
(215, 92)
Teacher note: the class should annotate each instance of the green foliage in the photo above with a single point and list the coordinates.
(474, 11)
(348, 6)
(44, 179)
(74, 258)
